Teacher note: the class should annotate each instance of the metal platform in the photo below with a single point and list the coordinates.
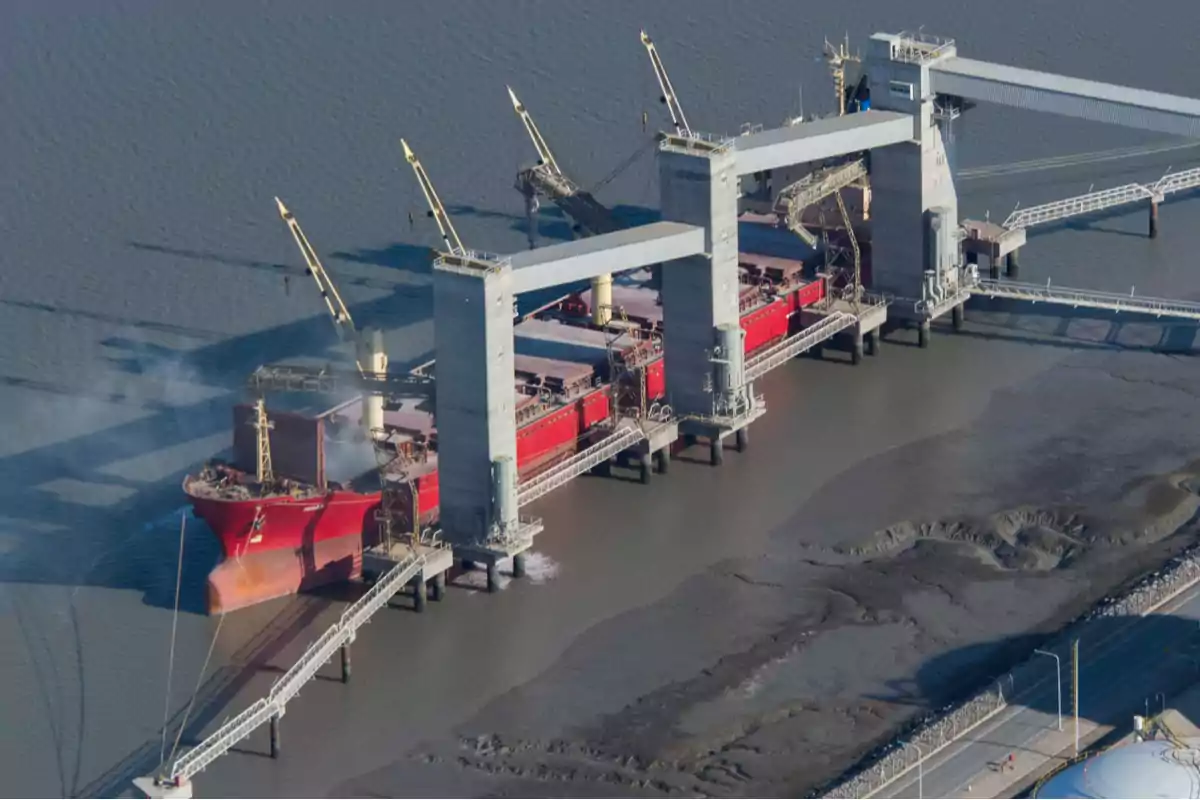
(1084, 298)
(789, 348)
(437, 558)
(1095, 202)
(627, 434)
(289, 685)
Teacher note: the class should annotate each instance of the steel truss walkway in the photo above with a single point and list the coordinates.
(627, 434)
(305, 669)
(1084, 298)
(813, 188)
(793, 346)
(1105, 199)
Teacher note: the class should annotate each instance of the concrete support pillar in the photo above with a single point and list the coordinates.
(1153, 219)
(419, 593)
(664, 460)
(716, 452)
(1014, 264)
(646, 466)
(958, 316)
(603, 469)
(871, 340)
(923, 335)
(741, 439)
(274, 737)
(345, 663)
(856, 354)
(994, 268)
(520, 564)
(437, 592)
(493, 577)
(601, 299)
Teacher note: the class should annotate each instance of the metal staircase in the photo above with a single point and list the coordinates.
(288, 686)
(1085, 298)
(793, 346)
(625, 436)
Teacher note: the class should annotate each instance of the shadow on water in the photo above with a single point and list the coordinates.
(1175, 336)
(59, 539)
(553, 225)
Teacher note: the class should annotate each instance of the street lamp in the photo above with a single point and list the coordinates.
(1058, 681)
(920, 768)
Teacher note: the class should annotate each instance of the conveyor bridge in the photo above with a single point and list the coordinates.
(305, 669)
(1095, 202)
(1086, 298)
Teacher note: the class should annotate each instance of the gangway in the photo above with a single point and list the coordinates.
(1094, 202)
(177, 781)
(793, 346)
(1086, 298)
(627, 434)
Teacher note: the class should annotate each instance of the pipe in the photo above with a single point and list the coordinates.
(602, 299)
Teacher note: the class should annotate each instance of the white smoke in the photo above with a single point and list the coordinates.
(539, 569)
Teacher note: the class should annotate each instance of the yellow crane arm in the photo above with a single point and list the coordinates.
(454, 245)
(329, 293)
(668, 92)
(539, 144)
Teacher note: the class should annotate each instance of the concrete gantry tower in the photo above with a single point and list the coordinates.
(914, 229)
(476, 418)
(698, 181)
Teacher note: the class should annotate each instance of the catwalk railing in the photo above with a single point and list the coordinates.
(625, 436)
(1086, 298)
(288, 686)
(793, 346)
(1094, 202)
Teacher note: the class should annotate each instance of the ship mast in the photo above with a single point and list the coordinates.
(265, 473)
(837, 58)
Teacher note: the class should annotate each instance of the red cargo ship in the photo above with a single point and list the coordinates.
(310, 526)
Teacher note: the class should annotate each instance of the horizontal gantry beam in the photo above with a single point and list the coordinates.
(820, 139)
(584, 259)
(1071, 97)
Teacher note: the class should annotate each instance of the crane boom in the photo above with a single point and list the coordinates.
(543, 150)
(454, 245)
(668, 92)
(329, 293)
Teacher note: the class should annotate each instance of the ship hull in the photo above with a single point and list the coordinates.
(246, 527)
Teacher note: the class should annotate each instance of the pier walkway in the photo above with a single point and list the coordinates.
(177, 780)
(1096, 202)
(1086, 298)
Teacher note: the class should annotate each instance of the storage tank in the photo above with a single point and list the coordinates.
(1154, 768)
(728, 366)
(504, 488)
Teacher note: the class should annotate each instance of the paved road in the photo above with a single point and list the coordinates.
(1115, 676)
